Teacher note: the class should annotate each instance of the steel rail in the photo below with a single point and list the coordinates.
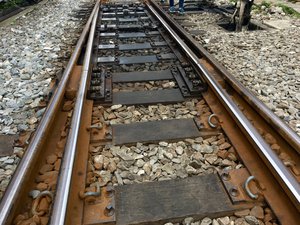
(58, 215)
(35, 146)
(285, 131)
(283, 175)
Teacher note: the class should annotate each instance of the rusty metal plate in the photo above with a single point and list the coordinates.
(148, 97)
(154, 131)
(138, 59)
(7, 144)
(96, 213)
(132, 35)
(73, 83)
(173, 200)
(75, 211)
(136, 46)
(234, 182)
(142, 76)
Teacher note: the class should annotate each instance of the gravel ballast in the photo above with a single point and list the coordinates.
(265, 61)
(33, 50)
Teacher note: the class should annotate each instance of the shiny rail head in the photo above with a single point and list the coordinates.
(283, 175)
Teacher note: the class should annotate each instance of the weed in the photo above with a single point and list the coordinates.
(292, 1)
(10, 4)
(289, 11)
(266, 4)
(259, 6)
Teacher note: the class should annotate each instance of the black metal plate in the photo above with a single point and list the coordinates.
(137, 59)
(7, 144)
(131, 13)
(192, 89)
(153, 33)
(108, 59)
(142, 76)
(159, 44)
(132, 35)
(128, 20)
(148, 97)
(108, 88)
(172, 200)
(107, 27)
(129, 27)
(136, 46)
(154, 131)
(112, 34)
(109, 14)
(167, 56)
(144, 18)
(187, 24)
(101, 47)
(109, 19)
(181, 83)
(141, 13)
(96, 92)
(197, 32)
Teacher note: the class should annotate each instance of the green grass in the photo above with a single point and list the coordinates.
(286, 9)
(259, 6)
(9, 4)
(289, 11)
(266, 4)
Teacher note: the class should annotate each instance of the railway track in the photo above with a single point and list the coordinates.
(146, 127)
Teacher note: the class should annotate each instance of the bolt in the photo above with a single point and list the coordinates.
(234, 192)
(110, 191)
(225, 176)
(109, 210)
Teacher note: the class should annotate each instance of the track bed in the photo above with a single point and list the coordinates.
(146, 140)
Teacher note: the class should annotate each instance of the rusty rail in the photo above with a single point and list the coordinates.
(285, 131)
(20, 178)
(58, 215)
(276, 166)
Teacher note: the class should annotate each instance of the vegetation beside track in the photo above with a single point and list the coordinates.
(8, 4)
(289, 10)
